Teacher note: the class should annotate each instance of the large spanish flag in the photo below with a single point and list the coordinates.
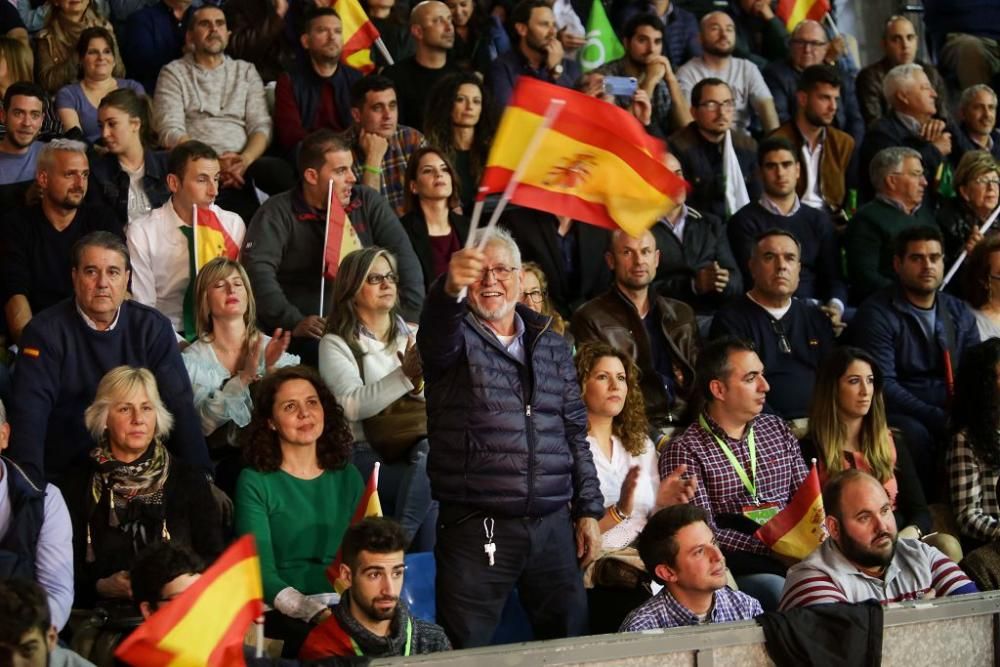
(341, 239)
(206, 623)
(793, 12)
(211, 239)
(359, 35)
(596, 163)
(798, 529)
(369, 505)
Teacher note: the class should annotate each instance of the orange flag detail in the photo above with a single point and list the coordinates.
(341, 239)
(369, 505)
(359, 35)
(793, 12)
(798, 529)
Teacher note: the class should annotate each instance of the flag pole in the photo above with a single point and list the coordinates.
(830, 22)
(384, 51)
(961, 258)
(326, 240)
(194, 237)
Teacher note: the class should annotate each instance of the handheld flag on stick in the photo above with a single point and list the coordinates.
(602, 43)
(205, 625)
(961, 258)
(339, 241)
(736, 188)
(211, 239)
(359, 36)
(793, 12)
(369, 505)
(798, 529)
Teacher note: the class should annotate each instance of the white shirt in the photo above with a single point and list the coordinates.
(160, 258)
(744, 79)
(611, 473)
(810, 162)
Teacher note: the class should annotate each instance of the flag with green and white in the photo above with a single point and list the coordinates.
(602, 43)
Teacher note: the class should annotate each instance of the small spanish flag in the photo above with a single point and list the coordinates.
(211, 239)
(798, 529)
(793, 12)
(341, 239)
(359, 35)
(206, 623)
(596, 163)
(369, 505)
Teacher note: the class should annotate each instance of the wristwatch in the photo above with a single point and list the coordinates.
(556, 71)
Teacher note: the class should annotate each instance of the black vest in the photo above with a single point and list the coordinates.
(18, 545)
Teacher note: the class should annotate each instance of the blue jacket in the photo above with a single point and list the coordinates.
(27, 513)
(110, 183)
(913, 366)
(506, 437)
(508, 68)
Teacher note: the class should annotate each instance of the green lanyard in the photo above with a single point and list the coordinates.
(406, 649)
(749, 483)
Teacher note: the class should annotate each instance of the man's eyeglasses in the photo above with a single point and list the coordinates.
(379, 278)
(535, 296)
(808, 44)
(783, 343)
(500, 272)
(712, 105)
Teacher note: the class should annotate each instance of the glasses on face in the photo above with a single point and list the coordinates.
(783, 343)
(379, 278)
(988, 181)
(499, 272)
(535, 296)
(916, 173)
(712, 105)
(808, 44)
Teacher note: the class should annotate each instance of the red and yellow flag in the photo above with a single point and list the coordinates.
(359, 35)
(211, 239)
(341, 239)
(798, 529)
(206, 623)
(793, 12)
(369, 505)
(596, 163)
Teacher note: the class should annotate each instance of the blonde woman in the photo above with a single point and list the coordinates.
(133, 493)
(535, 295)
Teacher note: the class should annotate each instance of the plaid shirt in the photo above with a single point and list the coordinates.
(780, 471)
(663, 611)
(973, 486)
(402, 145)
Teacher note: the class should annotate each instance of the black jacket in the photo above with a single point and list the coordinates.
(416, 228)
(507, 438)
(890, 131)
(702, 164)
(109, 184)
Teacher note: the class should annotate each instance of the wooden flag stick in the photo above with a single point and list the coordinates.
(326, 240)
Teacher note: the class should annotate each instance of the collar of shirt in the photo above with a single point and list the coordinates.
(911, 123)
(677, 227)
(771, 207)
(989, 138)
(515, 344)
(717, 430)
(92, 324)
(805, 141)
(5, 509)
(849, 568)
(895, 204)
(367, 333)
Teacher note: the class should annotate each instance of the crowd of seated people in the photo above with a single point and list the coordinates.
(553, 407)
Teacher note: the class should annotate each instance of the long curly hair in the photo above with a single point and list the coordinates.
(261, 447)
(976, 407)
(438, 128)
(978, 285)
(630, 424)
(827, 428)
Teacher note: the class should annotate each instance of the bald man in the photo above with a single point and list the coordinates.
(433, 35)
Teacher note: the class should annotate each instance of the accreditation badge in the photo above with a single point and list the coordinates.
(761, 514)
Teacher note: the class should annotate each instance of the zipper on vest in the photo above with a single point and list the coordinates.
(527, 410)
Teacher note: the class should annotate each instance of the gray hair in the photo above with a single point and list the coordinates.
(47, 156)
(120, 383)
(970, 92)
(887, 161)
(805, 23)
(484, 237)
(899, 78)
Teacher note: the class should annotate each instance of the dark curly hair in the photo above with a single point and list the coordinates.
(261, 448)
(630, 424)
(976, 407)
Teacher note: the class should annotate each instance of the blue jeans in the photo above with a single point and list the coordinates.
(765, 587)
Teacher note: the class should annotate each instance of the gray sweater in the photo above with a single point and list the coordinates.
(221, 107)
(283, 255)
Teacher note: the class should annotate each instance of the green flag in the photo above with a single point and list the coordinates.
(602, 43)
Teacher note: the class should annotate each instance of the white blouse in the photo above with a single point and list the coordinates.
(612, 473)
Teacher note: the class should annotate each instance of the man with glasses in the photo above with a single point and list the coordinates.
(977, 111)
(284, 246)
(699, 147)
(509, 461)
(809, 47)
(790, 335)
(917, 336)
(899, 178)
(750, 93)
(659, 334)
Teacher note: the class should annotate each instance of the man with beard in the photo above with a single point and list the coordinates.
(509, 463)
(864, 559)
(809, 47)
(538, 53)
(791, 335)
(433, 36)
(644, 60)
(38, 240)
(212, 98)
(727, 449)
(659, 334)
(822, 282)
(369, 620)
(917, 336)
(23, 115)
(718, 39)
(317, 93)
(699, 147)
(27, 636)
(977, 110)
(826, 151)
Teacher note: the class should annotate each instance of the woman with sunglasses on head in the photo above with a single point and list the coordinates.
(368, 358)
